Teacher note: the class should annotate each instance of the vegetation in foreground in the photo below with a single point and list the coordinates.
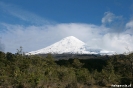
(21, 71)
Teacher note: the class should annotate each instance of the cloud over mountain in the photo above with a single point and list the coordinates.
(36, 37)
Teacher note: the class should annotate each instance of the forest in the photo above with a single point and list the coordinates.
(36, 71)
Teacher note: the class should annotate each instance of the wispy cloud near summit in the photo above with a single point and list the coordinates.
(116, 23)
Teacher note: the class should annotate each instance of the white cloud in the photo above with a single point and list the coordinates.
(37, 37)
(108, 17)
(113, 22)
(118, 42)
(129, 25)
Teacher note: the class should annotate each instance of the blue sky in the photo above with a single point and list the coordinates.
(32, 24)
(65, 11)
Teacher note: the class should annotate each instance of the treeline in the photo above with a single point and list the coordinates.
(21, 71)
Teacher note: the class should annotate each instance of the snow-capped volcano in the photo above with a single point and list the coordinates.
(69, 45)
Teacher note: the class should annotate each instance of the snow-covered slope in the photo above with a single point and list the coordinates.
(70, 45)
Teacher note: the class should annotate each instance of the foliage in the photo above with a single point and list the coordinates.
(34, 71)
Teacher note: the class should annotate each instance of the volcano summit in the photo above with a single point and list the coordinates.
(69, 45)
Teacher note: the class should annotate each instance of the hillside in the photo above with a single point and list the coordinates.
(35, 71)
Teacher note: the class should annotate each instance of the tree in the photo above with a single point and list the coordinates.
(130, 58)
(76, 63)
(20, 51)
